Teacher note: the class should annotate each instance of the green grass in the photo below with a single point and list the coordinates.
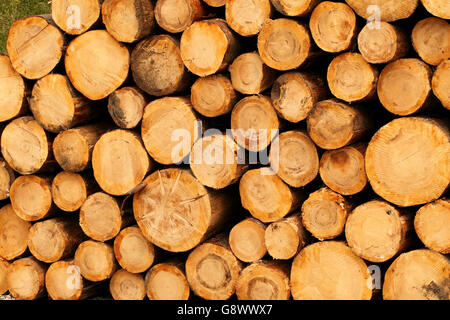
(11, 10)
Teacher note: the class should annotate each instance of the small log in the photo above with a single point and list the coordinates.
(167, 281)
(430, 40)
(396, 156)
(432, 223)
(215, 3)
(333, 26)
(128, 20)
(7, 177)
(126, 107)
(76, 16)
(294, 8)
(293, 157)
(208, 47)
(97, 64)
(177, 15)
(247, 17)
(125, 285)
(95, 260)
(246, 240)
(324, 213)
(35, 46)
(13, 234)
(13, 92)
(418, 275)
(329, 270)
(4, 265)
(133, 251)
(26, 279)
(441, 82)
(264, 280)
(385, 10)
(438, 8)
(70, 190)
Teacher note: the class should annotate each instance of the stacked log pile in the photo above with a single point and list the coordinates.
(263, 149)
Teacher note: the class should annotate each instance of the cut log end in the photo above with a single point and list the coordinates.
(13, 234)
(247, 240)
(7, 177)
(430, 40)
(177, 15)
(12, 91)
(125, 285)
(247, 17)
(441, 83)
(26, 278)
(389, 10)
(167, 281)
(4, 265)
(69, 191)
(65, 14)
(294, 8)
(126, 107)
(95, 260)
(438, 8)
(63, 281)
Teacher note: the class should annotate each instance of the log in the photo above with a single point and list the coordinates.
(294, 94)
(418, 275)
(35, 46)
(125, 285)
(284, 44)
(249, 74)
(213, 96)
(169, 129)
(95, 260)
(7, 177)
(96, 64)
(333, 124)
(264, 280)
(324, 213)
(430, 40)
(212, 270)
(333, 26)
(431, 224)
(57, 106)
(329, 270)
(215, 161)
(246, 240)
(293, 157)
(396, 156)
(266, 196)
(254, 123)
(440, 83)
(54, 239)
(26, 279)
(385, 10)
(166, 220)
(377, 231)
(343, 170)
(208, 47)
(351, 78)
(13, 234)
(382, 44)
(133, 251)
(4, 265)
(167, 281)
(215, 3)
(157, 66)
(176, 16)
(247, 17)
(294, 8)
(70, 190)
(120, 162)
(73, 148)
(128, 20)
(76, 16)
(126, 107)
(13, 92)
(438, 8)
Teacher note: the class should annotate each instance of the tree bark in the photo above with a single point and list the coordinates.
(13, 234)
(246, 240)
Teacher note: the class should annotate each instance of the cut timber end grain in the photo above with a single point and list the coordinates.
(247, 240)
(431, 40)
(169, 129)
(249, 74)
(351, 78)
(213, 96)
(176, 212)
(34, 46)
(294, 7)
(215, 161)
(418, 275)
(329, 270)
(247, 17)
(293, 157)
(97, 64)
(382, 44)
(389, 10)
(26, 278)
(254, 123)
(264, 280)
(126, 107)
(343, 170)
(284, 44)
(215, 3)
(167, 281)
(207, 47)
(4, 265)
(13, 234)
(438, 8)
(128, 20)
(324, 213)
(333, 124)
(432, 224)
(127, 286)
(95, 260)
(376, 231)
(7, 177)
(177, 15)
(133, 251)
(13, 100)
(333, 26)
(75, 16)
(441, 83)
(120, 162)
(69, 191)
(157, 66)
(407, 161)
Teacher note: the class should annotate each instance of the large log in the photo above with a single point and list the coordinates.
(438, 8)
(126, 107)
(247, 17)
(70, 190)
(430, 40)
(167, 281)
(177, 15)
(246, 240)
(76, 16)
(385, 10)
(4, 265)
(294, 8)
(13, 234)
(26, 279)
(7, 177)
(125, 285)
(13, 91)
(441, 82)
(95, 260)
